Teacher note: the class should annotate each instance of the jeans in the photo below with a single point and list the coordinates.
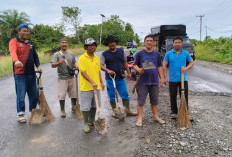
(173, 88)
(121, 88)
(25, 83)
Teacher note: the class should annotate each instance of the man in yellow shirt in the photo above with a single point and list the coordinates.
(90, 80)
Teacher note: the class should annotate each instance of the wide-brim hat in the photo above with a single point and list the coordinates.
(109, 39)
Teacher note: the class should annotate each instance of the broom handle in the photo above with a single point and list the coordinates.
(182, 80)
(97, 104)
(77, 89)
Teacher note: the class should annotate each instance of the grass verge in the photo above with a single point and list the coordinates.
(6, 61)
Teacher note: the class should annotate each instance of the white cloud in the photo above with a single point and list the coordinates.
(141, 14)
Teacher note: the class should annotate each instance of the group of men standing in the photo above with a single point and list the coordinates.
(113, 61)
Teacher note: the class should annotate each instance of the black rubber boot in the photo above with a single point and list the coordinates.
(92, 117)
(86, 121)
(62, 108)
(73, 101)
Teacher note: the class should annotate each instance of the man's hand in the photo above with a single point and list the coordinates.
(161, 82)
(129, 76)
(110, 72)
(61, 61)
(103, 86)
(39, 69)
(94, 86)
(184, 70)
(141, 71)
(166, 81)
(18, 64)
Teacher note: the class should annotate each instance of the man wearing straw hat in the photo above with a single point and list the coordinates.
(65, 61)
(90, 80)
(24, 58)
(176, 58)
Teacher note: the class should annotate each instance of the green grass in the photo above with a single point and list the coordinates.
(207, 53)
(6, 61)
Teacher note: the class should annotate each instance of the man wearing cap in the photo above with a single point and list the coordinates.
(24, 58)
(113, 62)
(90, 80)
(65, 61)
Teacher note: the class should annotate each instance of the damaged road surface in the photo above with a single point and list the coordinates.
(210, 135)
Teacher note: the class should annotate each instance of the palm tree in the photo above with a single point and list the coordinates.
(9, 22)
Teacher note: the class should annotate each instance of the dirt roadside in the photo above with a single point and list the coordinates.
(210, 135)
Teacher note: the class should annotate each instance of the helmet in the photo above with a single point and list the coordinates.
(133, 50)
(90, 41)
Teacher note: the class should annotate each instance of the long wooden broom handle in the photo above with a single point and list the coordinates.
(76, 75)
(97, 104)
(182, 80)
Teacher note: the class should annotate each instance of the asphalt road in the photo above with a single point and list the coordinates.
(64, 136)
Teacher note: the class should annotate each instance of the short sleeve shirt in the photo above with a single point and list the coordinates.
(176, 61)
(62, 69)
(150, 76)
(92, 68)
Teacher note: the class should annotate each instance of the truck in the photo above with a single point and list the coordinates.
(164, 35)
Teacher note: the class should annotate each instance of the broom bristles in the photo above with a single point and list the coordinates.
(183, 114)
(48, 114)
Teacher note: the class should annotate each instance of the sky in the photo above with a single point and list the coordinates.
(142, 14)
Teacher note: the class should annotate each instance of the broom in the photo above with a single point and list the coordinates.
(183, 114)
(77, 106)
(43, 102)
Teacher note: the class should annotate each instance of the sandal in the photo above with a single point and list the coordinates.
(160, 121)
(139, 124)
(22, 119)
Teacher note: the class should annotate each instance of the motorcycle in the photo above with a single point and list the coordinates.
(130, 60)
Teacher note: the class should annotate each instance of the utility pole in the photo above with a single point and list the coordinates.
(206, 33)
(101, 28)
(200, 24)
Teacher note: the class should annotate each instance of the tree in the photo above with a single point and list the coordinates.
(71, 15)
(9, 22)
(45, 36)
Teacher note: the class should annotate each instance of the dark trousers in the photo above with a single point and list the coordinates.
(173, 88)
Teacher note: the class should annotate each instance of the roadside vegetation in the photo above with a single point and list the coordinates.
(215, 50)
(45, 37)
(6, 65)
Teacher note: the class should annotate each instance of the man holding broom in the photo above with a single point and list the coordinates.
(90, 80)
(176, 58)
(65, 61)
(113, 62)
(24, 58)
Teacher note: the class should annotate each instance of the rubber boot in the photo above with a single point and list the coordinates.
(62, 108)
(86, 120)
(126, 105)
(113, 105)
(73, 101)
(92, 117)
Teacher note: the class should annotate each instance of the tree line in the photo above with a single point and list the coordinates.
(47, 36)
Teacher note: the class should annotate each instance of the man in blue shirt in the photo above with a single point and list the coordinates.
(149, 81)
(175, 59)
(113, 62)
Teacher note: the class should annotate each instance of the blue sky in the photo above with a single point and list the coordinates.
(141, 14)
